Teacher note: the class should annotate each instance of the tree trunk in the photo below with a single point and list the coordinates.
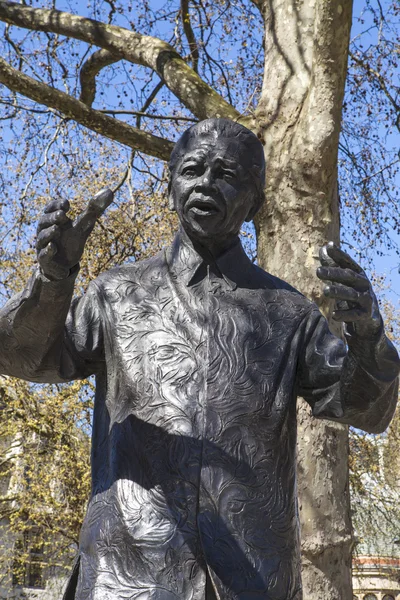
(298, 120)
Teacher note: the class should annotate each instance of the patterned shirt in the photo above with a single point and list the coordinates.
(198, 365)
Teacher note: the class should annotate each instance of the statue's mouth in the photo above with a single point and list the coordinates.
(203, 207)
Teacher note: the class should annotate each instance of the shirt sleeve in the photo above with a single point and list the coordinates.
(45, 337)
(355, 383)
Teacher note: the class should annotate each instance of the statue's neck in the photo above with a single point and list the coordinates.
(210, 249)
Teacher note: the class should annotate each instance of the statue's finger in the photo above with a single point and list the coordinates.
(349, 316)
(55, 205)
(97, 205)
(50, 234)
(341, 305)
(343, 292)
(47, 254)
(341, 258)
(344, 276)
(101, 201)
(58, 217)
(325, 259)
(48, 265)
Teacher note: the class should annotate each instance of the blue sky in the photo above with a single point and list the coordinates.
(389, 263)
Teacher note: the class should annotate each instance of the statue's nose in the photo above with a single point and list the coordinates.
(206, 182)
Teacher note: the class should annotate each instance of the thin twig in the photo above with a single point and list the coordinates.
(43, 163)
(27, 108)
(139, 114)
(187, 28)
(378, 172)
(147, 115)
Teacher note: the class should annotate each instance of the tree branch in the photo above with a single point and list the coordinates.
(90, 118)
(148, 101)
(87, 76)
(139, 113)
(126, 176)
(20, 107)
(139, 49)
(187, 28)
(363, 64)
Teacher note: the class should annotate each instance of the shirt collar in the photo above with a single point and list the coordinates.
(190, 267)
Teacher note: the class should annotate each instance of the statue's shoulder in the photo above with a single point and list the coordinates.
(282, 288)
(134, 272)
(272, 282)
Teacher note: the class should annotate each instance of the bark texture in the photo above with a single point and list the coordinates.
(298, 118)
(92, 67)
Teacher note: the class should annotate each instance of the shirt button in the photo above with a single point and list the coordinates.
(216, 287)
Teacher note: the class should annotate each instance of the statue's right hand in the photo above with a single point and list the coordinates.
(61, 241)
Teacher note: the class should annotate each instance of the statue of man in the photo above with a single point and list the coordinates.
(198, 356)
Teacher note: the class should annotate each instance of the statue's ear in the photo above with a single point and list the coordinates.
(251, 214)
(257, 202)
(253, 211)
(171, 203)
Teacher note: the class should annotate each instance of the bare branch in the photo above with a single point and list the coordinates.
(20, 107)
(97, 61)
(380, 79)
(148, 101)
(113, 10)
(187, 28)
(384, 168)
(43, 163)
(139, 49)
(139, 113)
(127, 174)
(90, 118)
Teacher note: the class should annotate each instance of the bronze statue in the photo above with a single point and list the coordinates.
(199, 356)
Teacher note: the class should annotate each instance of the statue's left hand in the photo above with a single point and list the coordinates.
(348, 285)
(60, 242)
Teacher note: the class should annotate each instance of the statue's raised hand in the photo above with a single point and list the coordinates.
(349, 286)
(60, 241)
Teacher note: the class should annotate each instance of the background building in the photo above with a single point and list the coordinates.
(376, 578)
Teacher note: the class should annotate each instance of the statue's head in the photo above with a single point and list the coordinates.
(217, 173)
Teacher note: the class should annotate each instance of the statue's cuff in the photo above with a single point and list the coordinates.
(371, 330)
(71, 277)
(367, 344)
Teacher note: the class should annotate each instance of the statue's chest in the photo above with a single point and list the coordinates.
(184, 354)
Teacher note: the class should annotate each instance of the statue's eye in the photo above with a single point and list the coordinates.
(192, 170)
(227, 174)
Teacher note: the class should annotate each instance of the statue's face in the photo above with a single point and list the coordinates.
(211, 188)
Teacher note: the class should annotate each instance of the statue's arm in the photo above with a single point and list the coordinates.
(44, 337)
(357, 384)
